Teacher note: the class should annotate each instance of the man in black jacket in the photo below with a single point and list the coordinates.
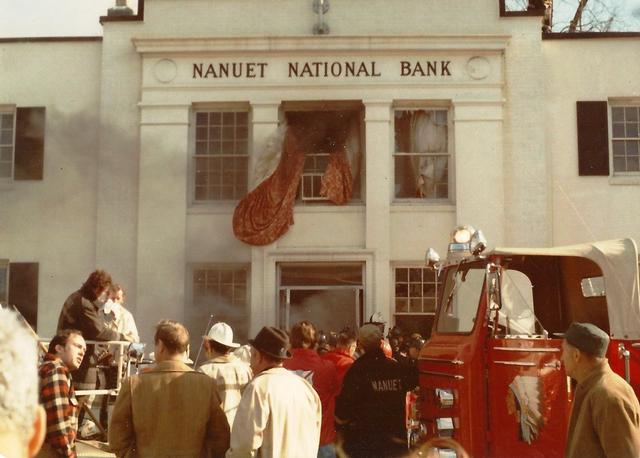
(80, 311)
(370, 410)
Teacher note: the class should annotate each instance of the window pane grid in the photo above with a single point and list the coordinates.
(416, 289)
(625, 133)
(221, 155)
(6, 145)
(214, 285)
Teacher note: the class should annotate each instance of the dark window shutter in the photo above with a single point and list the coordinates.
(23, 289)
(29, 155)
(593, 138)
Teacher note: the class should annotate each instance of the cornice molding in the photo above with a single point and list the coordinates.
(313, 44)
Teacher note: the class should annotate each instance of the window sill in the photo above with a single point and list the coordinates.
(329, 208)
(222, 208)
(624, 180)
(422, 207)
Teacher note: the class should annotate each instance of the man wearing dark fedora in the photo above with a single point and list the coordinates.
(605, 420)
(279, 414)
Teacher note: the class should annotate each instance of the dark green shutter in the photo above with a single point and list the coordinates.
(593, 138)
(23, 289)
(29, 153)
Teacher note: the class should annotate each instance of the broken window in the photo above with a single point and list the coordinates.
(422, 154)
(330, 135)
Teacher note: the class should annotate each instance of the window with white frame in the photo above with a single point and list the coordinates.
(625, 138)
(7, 121)
(416, 291)
(22, 142)
(422, 154)
(221, 291)
(221, 155)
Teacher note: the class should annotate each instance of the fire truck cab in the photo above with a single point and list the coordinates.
(491, 374)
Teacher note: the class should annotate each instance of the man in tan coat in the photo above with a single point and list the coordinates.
(171, 410)
(605, 420)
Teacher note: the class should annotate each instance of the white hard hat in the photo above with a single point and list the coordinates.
(377, 318)
(223, 334)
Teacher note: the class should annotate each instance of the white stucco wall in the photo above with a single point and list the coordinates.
(53, 221)
(587, 208)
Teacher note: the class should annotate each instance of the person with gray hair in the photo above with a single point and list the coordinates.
(22, 419)
(605, 418)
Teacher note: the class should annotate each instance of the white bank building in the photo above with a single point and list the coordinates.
(346, 136)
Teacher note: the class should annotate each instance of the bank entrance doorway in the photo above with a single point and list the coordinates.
(330, 295)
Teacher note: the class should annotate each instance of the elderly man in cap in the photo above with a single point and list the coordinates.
(370, 410)
(279, 413)
(605, 420)
(229, 372)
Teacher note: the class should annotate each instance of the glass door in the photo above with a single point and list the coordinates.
(330, 295)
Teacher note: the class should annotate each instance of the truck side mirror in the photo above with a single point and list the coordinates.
(432, 259)
(493, 289)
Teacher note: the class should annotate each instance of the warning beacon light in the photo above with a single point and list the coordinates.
(464, 241)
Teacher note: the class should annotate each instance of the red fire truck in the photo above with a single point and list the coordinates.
(491, 374)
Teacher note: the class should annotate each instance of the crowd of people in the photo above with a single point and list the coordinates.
(287, 394)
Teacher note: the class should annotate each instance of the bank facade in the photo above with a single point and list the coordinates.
(132, 152)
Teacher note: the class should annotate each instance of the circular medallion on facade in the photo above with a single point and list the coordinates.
(165, 70)
(478, 67)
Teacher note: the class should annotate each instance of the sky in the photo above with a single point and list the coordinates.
(50, 18)
(53, 18)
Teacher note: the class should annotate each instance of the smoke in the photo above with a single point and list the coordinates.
(329, 310)
(198, 322)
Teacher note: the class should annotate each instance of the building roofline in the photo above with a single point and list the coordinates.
(587, 35)
(47, 39)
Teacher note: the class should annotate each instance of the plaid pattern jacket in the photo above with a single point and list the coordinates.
(59, 401)
(231, 376)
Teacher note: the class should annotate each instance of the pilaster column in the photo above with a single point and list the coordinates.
(162, 209)
(379, 183)
(479, 168)
(264, 300)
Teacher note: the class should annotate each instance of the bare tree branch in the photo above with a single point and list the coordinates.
(577, 17)
(593, 16)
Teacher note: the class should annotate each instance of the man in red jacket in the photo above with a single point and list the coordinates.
(321, 374)
(342, 356)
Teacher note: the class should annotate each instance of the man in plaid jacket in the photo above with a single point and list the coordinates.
(65, 354)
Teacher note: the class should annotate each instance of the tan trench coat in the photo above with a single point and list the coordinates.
(605, 421)
(170, 411)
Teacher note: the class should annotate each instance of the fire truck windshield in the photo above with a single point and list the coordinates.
(461, 297)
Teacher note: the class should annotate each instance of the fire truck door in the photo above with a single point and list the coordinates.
(527, 397)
